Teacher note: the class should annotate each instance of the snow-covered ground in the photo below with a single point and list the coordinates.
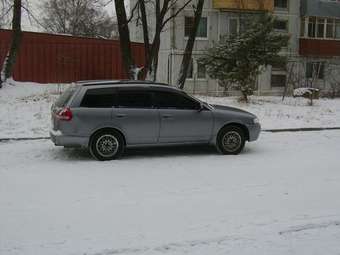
(281, 196)
(25, 110)
(290, 113)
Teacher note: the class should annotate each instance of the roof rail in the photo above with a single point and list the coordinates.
(110, 82)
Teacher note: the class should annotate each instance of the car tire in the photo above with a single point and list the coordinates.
(107, 145)
(231, 140)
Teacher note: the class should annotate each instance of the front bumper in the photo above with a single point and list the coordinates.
(254, 132)
(59, 139)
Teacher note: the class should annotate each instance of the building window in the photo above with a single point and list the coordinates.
(337, 29)
(315, 70)
(320, 28)
(311, 27)
(281, 25)
(233, 26)
(201, 71)
(278, 80)
(202, 31)
(330, 29)
(238, 25)
(325, 28)
(303, 28)
(282, 4)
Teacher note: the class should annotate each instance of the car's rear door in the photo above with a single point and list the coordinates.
(95, 110)
(181, 118)
(135, 115)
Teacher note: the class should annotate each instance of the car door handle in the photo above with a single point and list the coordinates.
(121, 115)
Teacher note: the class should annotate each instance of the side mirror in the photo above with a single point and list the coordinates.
(201, 107)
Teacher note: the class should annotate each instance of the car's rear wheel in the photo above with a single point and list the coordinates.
(107, 145)
(231, 140)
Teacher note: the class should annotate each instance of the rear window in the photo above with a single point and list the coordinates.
(65, 97)
(99, 98)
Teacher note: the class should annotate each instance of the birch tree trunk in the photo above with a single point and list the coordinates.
(190, 45)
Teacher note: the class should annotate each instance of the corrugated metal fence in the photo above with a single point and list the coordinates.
(46, 58)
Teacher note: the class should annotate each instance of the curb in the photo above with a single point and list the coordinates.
(264, 130)
(23, 139)
(299, 129)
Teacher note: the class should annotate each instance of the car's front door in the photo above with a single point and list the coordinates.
(181, 119)
(135, 115)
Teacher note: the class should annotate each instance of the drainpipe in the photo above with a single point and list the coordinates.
(172, 41)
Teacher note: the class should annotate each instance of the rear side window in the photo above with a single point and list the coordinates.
(99, 98)
(134, 99)
(65, 97)
(170, 100)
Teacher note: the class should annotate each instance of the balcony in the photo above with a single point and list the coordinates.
(244, 5)
(319, 47)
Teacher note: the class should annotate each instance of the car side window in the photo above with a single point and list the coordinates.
(171, 100)
(134, 99)
(99, 98)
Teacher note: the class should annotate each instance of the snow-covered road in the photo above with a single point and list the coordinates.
(281, 196)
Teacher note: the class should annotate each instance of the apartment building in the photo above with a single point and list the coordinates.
(226, 17)
(319, 44)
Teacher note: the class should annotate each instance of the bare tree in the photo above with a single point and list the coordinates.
(77, 17)
(190, 45)
(163, 12)
(124, 37)
(8, 66)
(5, 10)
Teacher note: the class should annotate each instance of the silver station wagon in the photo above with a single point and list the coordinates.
(108, 116)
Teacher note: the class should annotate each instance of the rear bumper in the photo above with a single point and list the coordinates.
(59, 139)
(254, 132)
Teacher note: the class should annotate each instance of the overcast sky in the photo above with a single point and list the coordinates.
(30, 25)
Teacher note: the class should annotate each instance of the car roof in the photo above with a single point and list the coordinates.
(126, 84)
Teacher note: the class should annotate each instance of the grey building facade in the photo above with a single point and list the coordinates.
(219, 22)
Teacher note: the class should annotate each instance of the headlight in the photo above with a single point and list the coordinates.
(256, 121)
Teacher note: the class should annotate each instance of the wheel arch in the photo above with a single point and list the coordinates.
(102, 129)
(237, 124)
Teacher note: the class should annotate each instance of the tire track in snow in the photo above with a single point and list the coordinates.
(171, 247)
(310, 227)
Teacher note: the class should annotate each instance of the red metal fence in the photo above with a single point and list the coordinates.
(46, 58)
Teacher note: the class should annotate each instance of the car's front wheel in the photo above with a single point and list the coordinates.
(231, 140)
(107, 145)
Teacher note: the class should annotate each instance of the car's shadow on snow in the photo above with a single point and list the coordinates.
(150, 153)
(172, 151)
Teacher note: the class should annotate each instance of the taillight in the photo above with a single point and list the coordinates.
(65, 114)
